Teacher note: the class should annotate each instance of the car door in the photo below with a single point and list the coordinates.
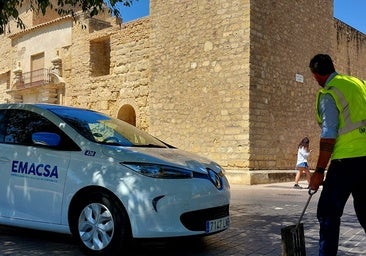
(32, 176)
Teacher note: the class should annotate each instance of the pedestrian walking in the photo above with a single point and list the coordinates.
(302, 166)
(341, 113)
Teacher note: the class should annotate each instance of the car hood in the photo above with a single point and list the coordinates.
(166, 156)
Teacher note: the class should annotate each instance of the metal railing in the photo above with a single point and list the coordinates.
(34, 78)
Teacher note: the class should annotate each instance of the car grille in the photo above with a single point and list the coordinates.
(196, 220)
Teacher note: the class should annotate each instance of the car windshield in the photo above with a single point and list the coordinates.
(103, 129)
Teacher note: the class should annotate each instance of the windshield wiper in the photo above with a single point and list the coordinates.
(149, 146)
(113, 143)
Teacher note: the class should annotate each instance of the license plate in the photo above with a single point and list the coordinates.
(217, 225)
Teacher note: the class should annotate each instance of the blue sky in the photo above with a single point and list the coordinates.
(138, 9)
(352, 12)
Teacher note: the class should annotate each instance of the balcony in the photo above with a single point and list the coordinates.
(41, 85)
(34, 78)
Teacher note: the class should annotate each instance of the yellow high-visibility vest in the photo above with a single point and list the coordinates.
(349, 94)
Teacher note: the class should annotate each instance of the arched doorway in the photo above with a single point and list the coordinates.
(127, 113)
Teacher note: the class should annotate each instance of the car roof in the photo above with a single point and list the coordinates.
(45, 106)
(54, 106)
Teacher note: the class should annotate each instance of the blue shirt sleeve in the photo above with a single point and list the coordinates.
(329, 114)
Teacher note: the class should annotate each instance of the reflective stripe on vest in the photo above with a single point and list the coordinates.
(348, 124)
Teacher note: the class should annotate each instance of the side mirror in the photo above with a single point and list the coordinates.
(46, 139)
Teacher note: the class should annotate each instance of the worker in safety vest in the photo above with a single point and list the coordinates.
(341, 113)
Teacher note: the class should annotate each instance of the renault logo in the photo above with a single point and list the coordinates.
(215, 178)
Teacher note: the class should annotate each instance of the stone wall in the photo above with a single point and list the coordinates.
(349, 50)
(236, 82)
(284, 37)
(129, 71)
(6, 67)
(199, 95)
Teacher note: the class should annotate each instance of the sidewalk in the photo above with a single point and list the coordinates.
(270, 207)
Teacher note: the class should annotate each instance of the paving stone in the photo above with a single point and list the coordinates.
(257, 215)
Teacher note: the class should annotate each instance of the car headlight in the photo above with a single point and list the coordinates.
(160, 171)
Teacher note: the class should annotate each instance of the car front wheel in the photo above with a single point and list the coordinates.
(100, 225)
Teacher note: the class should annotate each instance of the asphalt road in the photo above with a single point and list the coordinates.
(257, 215)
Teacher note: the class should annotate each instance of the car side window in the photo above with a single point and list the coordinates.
(2, 126)
(19, 125)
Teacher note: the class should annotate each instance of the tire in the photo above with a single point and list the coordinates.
(100, 224)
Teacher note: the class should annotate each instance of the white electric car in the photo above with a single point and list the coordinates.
(78, 171)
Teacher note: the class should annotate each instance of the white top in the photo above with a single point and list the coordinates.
(302, 155)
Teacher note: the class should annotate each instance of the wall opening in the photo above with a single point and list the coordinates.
(100, 57)
(127, 113)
